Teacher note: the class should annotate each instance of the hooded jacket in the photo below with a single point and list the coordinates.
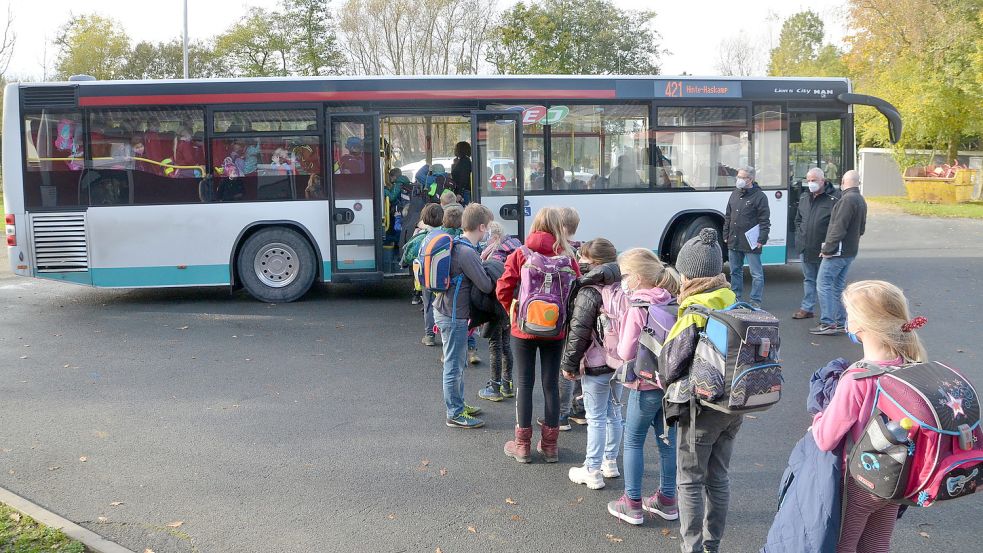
(746, 207)
(812, 221)
(583, 314)
(508, 286)
(635, 318)
(484, 306)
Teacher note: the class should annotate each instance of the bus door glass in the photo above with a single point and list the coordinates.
(355, 210)
(497, 166)
(815, 140)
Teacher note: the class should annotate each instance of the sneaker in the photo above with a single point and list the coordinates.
(579, 417)
(583, 475)
(416, 300)
(507, 390)
(609, 468)
(491, 392)
(627, 510)
(564, 425)
(827, 330)
(464, 421)
(471, 411)
(661, 505)
(473, 357)
(429, 340)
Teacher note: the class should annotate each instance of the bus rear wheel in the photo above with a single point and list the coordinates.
(276, 265)
(692, 228)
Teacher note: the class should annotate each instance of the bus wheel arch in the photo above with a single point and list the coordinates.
(686, 225)
(295, 261)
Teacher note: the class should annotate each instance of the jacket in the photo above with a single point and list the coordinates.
(484, 306)
(583, 313)
(745, 208)
(635, 318)
(812, 220)
(508, 286)
(847, 224)
(466, 273)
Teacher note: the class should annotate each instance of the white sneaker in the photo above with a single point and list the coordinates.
(583, 475)
(609, 468)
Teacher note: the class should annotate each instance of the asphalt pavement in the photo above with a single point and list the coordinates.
(198, 420)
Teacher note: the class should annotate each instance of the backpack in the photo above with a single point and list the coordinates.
(736, 367)
(645, 365)
(603, 350)
(432, 266)
(546, 281)
(941, 457)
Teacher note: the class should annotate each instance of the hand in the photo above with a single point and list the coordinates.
(759, 246)
(824, 255)
(570, 376)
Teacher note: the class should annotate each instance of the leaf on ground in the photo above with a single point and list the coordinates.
(185, 327)
(56, 467)
(102, 520)
(424, 462)
(15, 517)
(613, 539)
(516, 518)
(115, 503)
(666, 531)
(175, 524)
(924, 534)
(83, 458)
(510, 501)
(443, 472)
(391, 516)
(23, 357)
(472, 530)
(148, 550)
(66, 365)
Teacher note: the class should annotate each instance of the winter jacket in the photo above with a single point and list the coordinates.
(823, 384)
(746, 207)
(484, 306)
(466, 272)
(583, 311)
(635, 318)
(507, 288)
(812, 220)
(846, 224)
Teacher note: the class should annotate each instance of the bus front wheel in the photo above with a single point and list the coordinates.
(691, 228)
(276, 265)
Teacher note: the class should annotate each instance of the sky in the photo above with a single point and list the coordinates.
(691, 30)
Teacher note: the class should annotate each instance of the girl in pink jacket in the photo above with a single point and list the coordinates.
(878, 319)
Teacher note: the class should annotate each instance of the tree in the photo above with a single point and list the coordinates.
(258, 45)
(7, 40)
(738, 56)
(315, 47)
(415, 37)
(801, 52)
(923, 65)
(574, 37)
(91, 45)
(165, 60)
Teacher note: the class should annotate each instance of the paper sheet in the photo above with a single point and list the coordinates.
(752, 235)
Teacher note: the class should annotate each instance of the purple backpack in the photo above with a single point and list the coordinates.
(545, 284)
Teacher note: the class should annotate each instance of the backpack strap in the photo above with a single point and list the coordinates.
(866, 369)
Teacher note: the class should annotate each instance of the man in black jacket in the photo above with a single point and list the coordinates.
(846, 225)
(747, 208)
(811, 222)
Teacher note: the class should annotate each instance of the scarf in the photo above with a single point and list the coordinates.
(693, 286)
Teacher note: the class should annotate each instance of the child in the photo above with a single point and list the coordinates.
(430, 219)
(547, 237)
(878, 319)
(452, 310)
(706, 437)
(571, 391)
(584, 358)
(498, 248)
(648, 282)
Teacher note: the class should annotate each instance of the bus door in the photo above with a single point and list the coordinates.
(354, 197)
(816, 139)
(496, 138)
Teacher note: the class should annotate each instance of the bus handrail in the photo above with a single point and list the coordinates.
(895, 125)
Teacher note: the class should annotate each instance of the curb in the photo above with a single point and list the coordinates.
(90, 539)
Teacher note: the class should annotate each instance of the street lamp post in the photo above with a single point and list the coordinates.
(185, 39)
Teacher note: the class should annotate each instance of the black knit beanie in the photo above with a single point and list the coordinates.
(700, 256)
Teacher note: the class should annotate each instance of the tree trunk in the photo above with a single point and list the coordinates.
(953, 150)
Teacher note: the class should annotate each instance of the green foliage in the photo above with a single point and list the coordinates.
(22, 534)
(801, 52)
(315, 45)
(92, 45)
(574, 37)
(165, 60)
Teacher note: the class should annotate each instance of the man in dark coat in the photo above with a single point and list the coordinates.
(811, 222)
(747, 209)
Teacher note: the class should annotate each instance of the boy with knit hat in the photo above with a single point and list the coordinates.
(705, 436)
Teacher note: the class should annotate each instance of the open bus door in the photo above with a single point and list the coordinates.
(354, 194)
(497, 175)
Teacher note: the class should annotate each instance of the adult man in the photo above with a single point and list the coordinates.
(811, 223)
(846, 225)
(747, 218)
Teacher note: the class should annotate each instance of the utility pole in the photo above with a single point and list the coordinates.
(185, 39)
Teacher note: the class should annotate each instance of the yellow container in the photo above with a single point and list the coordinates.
(940, 191)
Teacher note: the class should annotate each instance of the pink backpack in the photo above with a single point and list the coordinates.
(923, 442)
(545, 285)
(603, 349)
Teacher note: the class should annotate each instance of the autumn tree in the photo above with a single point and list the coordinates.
(738, 56)
(165, 60)
(258, 45)
(801, 51)
(588, 37)
(92, 45)
(315, 45)
(415, 37)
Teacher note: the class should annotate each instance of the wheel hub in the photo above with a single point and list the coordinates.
(276, 265)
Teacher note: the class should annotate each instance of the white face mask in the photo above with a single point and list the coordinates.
(625, 288)
(741, 183)
(813, 187)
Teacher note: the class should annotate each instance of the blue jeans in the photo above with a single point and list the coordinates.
(737, 274)
(566, 397)
(428, 318)
(810, 268)
(645, 412)
(604, 424)
(831, 282)
(454, 335)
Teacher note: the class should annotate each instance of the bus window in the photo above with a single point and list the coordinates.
(601, 147)
(247, 121)
(266, 168)
(703, 160)
(54, 149)
(769, 137)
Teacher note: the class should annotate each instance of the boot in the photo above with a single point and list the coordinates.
(547, 444)
(519, 448)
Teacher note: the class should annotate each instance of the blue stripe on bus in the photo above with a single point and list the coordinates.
(75, 277)
(192, 275)
(361, 264)
(772, 255)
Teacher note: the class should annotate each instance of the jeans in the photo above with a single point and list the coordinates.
(454, 335)
(524, 352)
(703, 458)
(831, 282)
(737, 274)
(602, 401)
(500, 352)
(644, 413)
(810, 268)
(566, 396)
(428, 317)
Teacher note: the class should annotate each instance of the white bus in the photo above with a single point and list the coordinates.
(272, 184)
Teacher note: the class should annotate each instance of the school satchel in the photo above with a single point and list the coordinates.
(645, 365)
(736, 368)
(545, 285)
(922, 442)
(433, 266)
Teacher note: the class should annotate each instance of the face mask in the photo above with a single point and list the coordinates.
(138, 151)
(741, 183)
(486, 237)
(813, 187)
(585, 268)
(853, 337)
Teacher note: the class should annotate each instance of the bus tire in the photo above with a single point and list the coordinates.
(276, 265)
(692, 228)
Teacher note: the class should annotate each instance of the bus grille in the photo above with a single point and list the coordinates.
(59, 242)
(50, 96)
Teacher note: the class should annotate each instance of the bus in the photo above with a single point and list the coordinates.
(272, 184)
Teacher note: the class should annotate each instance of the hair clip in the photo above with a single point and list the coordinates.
(914, 324)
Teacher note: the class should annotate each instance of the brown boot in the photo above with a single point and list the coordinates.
(547, 444)
(519, 448)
